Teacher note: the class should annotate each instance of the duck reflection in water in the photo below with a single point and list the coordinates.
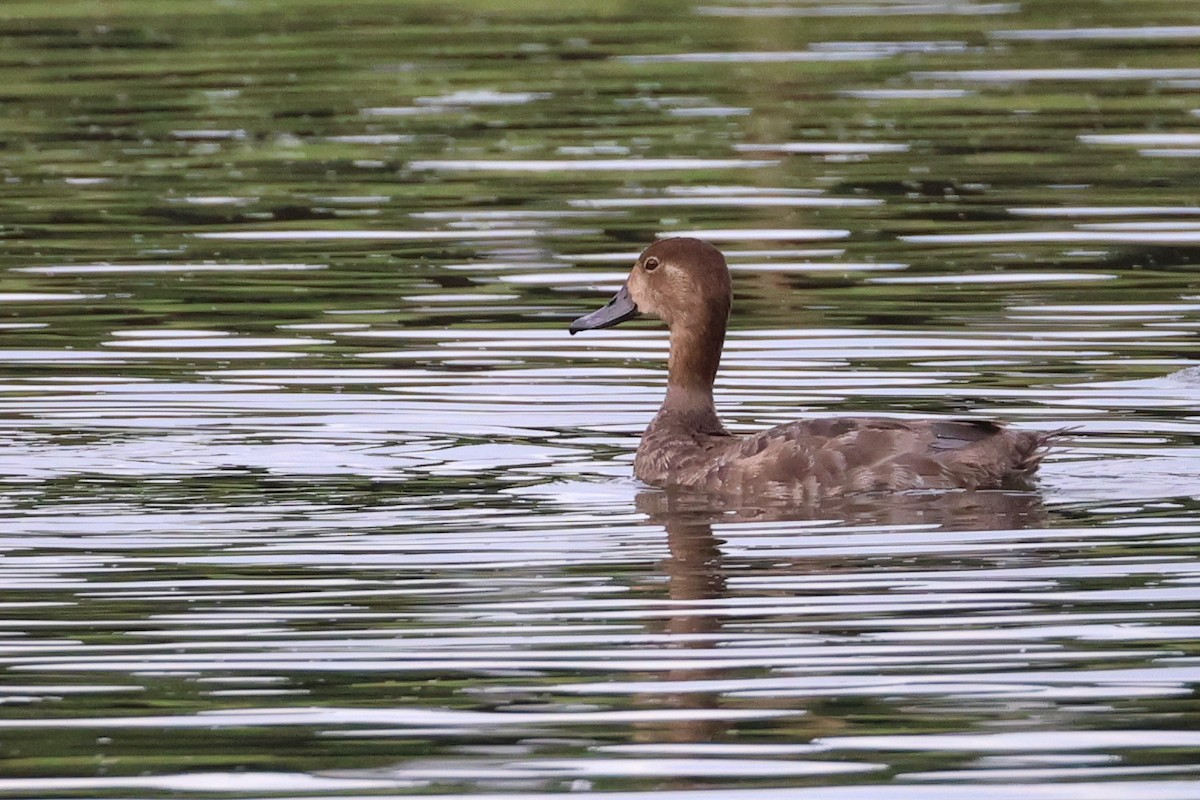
(685, 282)
(700, 562)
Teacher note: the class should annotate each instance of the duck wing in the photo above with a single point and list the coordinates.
(839, 455)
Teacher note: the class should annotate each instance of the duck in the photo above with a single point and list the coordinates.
(685, 283)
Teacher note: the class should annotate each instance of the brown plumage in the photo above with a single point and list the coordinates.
(685, 282)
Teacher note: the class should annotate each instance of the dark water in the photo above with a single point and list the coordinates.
(307, 493)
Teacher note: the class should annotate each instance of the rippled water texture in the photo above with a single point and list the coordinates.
(307, 493)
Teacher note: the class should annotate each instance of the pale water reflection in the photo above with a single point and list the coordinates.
(307, 493)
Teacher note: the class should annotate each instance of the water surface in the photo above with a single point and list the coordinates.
(307, 493)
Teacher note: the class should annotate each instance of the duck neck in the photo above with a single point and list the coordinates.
(691, 370)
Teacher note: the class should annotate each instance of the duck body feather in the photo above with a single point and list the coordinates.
(835, 456)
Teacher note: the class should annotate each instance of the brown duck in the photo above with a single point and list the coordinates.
(685, 283)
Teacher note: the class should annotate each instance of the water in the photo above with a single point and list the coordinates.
(307, 493)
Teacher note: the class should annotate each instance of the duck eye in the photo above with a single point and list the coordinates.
(650, 264)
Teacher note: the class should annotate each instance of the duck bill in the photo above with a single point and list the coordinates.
(619, 309)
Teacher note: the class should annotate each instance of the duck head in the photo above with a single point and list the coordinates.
(684, 282)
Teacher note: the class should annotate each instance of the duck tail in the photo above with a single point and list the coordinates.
(1034, 447)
